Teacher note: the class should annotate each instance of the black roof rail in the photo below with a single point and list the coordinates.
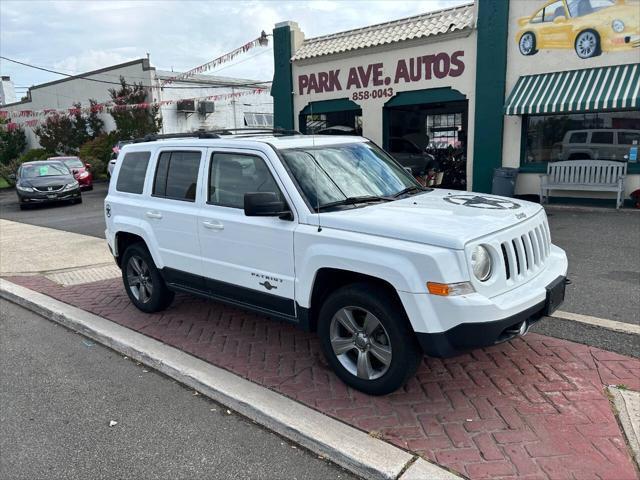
(256, 131)
(152, 137)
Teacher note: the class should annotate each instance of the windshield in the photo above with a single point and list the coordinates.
(577, 8)
(331, 174)
(43, 170)
(73, 162)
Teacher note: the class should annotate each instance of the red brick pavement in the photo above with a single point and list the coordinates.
(531, 408)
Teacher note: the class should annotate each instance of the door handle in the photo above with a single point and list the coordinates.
(152, 214)
(213, 225)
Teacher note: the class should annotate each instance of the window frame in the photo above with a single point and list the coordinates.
(155, 174)
(144, 181)
(209, 168)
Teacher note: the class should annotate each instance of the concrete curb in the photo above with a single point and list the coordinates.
(613, 325)
(344, 445)
(627, 404)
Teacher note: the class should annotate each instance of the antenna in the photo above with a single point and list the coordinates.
(315, 164)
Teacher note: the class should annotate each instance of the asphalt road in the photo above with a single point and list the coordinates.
(86, 218)
(59, 391)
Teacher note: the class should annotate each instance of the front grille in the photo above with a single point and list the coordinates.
(50, 188)
(525, 254)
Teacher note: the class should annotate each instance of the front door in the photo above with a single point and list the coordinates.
(246, 260)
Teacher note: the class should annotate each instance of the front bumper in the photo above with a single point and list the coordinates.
(446, 326)
(47, 197)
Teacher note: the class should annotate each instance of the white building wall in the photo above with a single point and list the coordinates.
(543, 62)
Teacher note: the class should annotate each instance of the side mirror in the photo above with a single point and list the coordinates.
(265, 204)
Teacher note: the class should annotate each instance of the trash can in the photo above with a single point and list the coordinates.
(504, 181)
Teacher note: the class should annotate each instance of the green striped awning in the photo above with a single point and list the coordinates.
(588, 90)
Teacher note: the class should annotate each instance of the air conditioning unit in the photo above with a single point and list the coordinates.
(206, 107)
(186, 106)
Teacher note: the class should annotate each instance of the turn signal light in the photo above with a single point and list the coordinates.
(449, 289)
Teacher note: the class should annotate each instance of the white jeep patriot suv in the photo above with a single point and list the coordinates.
(332, 234)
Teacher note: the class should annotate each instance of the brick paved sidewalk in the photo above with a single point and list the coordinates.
(531, 408)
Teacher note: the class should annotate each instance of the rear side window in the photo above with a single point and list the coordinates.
(177, 175)
(602, 137)
(132, 172)
(578, 137)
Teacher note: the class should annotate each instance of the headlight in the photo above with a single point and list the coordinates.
(481, 263)
(618, 26)
(71, 186)
(24, 189)
(83, 175)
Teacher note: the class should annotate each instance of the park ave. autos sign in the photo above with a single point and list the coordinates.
(375, 80)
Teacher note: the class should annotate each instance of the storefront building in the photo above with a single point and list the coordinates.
(478, 86)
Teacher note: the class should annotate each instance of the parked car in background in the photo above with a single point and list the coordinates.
(597, 144)
(338, 130)
(46, 181)
(590, 27)
(80, 170)
(412, 157)
(114, 156)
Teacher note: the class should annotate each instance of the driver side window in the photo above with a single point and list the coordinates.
(231, 175)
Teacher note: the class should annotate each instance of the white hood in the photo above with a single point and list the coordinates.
(445, 218)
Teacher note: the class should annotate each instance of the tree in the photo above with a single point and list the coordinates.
(133, 122)
(12, 142)
(65, 134)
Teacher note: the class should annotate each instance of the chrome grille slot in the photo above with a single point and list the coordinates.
(525, 254)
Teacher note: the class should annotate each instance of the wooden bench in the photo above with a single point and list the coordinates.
(585, 175)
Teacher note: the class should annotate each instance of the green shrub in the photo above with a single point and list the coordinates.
(98, 152)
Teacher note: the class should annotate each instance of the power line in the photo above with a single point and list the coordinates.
(80, 77)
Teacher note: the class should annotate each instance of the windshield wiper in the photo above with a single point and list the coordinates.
(412, 188)
(355, 200)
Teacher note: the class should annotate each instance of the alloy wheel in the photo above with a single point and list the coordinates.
(526, 44)
(139, 279)
(360, 342)
(586, 44)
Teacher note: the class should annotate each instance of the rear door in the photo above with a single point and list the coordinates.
(172, 213)
(246, 260)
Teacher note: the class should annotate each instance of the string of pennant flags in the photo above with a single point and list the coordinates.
(227, 57)
(41, 115)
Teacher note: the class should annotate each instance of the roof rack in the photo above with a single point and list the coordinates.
(255, 131)
(199, 134)
(217, 133)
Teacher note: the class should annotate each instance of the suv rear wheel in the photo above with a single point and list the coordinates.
(142, 280)
(366, 339)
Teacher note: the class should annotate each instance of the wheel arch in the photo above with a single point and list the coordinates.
(128, 235)
(329, 279)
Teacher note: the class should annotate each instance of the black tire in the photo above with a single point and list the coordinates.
(587, 44)
(527, 44)
(160, 297)
(405, 351)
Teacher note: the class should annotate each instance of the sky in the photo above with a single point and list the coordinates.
(79, 36)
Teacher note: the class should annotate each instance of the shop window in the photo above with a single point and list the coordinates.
(585, 136)
(258, 119)
(443, 130)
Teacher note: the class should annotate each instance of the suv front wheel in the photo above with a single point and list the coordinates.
(142, 280)
(366, 339)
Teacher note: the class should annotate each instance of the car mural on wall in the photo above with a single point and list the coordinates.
(590, 27)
